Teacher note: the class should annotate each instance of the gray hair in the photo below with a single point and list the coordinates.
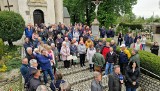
(96, 74)
(116, 66)
(65, 86)
(41, 88)
(29, 48)
(32, 61)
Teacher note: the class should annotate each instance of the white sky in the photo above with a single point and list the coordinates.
(145, 8)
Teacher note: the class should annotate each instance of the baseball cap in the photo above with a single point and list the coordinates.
(123, 45)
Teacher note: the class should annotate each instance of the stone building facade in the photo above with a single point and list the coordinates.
(36, 11)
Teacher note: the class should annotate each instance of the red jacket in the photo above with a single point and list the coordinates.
(105, 50)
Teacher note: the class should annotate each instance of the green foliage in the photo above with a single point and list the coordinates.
(150, 62)
(107, 39)
(1, 48)
(108, 11)
(11, 26)
(131, 26)
(11, 59)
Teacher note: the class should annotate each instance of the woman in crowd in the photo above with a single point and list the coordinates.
(73, 52)
(88, 43)
(120, 39)
(132, 77)
(155, 48)
(138, 45)
(57, 82)
(59, 41)
(143, 41)
(90, 52)
(65, 52)
(82, 53)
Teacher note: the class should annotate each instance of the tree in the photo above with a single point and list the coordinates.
(11, 26)
(108, 11)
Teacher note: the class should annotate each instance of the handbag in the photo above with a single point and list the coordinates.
(75, 59)
(70, 57)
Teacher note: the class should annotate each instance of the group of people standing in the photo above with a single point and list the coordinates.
(46, 46)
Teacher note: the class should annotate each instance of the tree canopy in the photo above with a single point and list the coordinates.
(109, 10)
(11, 26)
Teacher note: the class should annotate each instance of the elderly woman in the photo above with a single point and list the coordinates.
(65, 52)
(90, 52)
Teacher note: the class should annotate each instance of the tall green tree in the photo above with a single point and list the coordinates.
(109, 10)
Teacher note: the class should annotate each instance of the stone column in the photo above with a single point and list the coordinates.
(59, 11)
(95, 28)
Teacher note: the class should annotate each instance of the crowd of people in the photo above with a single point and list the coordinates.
(46, 46)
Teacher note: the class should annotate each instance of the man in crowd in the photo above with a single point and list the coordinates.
(115, 80)
(98, 61)
(96, 84)
(135, 57)
(30, 54)
(44, 60)
(35, 82)
(24, 68)
(111, 59)
(124, 57)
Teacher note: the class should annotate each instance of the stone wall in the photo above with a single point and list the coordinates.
(148, 83)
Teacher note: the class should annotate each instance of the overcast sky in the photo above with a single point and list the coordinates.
(145, 8)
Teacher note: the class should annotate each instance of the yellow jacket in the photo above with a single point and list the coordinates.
(126, 51)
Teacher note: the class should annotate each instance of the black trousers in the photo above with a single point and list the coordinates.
(66, 64)
(82, 59)
(123, 67)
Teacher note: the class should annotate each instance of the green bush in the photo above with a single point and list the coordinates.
(107, 39)
(11, 26)
(131, 26)
(148, 61)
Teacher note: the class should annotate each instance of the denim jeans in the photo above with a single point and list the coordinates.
(130, 89)
(46, 72)
(109, 66)
(143, 46)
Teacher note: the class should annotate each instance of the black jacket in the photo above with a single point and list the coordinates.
(131, 77)
(154, 49)
(111, 58)
(34, 83)
(114, 82)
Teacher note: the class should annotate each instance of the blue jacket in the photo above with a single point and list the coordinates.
(24, 70)
(44, 61)
(73, 49)
(28, 33)
(123, 57)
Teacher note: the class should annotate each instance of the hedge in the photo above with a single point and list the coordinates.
(107, 39)
(148, 61)
(131, 26)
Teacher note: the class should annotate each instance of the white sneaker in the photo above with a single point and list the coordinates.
(104, 76)
(69, 68)
(65, 69)
(76, 66)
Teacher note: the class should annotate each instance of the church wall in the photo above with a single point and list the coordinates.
(11, 2)
(23, 7)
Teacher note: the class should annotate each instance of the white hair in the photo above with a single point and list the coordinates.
(35, 50)
(29, 48)
(52, 44)
(41, 88)
(64, 43)
(32, 61)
